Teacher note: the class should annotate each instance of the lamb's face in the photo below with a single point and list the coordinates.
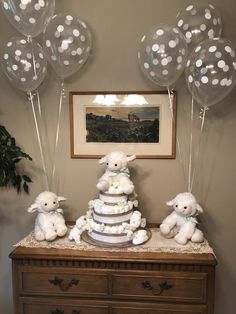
(186, 208)
(116, 162)
(81, 222)
(49, 203)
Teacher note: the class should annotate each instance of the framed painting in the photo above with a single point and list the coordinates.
(140, 123)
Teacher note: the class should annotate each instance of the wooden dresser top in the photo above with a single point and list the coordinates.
(152, 257)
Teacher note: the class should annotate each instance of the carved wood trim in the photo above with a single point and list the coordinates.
(114, 265)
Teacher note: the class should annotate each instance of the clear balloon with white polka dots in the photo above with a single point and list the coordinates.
(211, 71)
(198, 22)
(67, 42)
(29, 17)
(163, 54)
(24, 63)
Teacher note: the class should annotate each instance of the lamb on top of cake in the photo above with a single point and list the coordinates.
(116, 178)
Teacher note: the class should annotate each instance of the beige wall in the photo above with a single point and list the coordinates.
(117, 27)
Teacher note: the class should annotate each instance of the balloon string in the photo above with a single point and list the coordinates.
(199, 144)
(177, 139)
(190, 149)
(29, 39)
(39, 139)
(62, 93)
(39, 103)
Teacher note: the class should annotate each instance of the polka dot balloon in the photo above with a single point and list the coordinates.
(67, 42)
(211, 71)
(29, 17)
(199, 22)
(163, 54)
(24, 63)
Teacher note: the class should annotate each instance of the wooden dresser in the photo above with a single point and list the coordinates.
(57, 281)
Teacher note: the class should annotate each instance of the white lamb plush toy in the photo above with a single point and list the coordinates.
(80, 226)
(139, 237)
(49, 222)
(116, 178)
(135, 220)
(182, 223)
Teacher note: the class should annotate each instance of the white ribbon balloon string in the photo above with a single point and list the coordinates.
(62, 94)
(190, 148)
(29, 39)
(177, 139)
(39, 103)
(39, 123)
(203, 117)
(31, 98)
(44, 135)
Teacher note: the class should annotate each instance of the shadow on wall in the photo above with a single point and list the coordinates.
(226, 108)
(15, 223)
(138, 176)
(224, 295)
(16, 216)
(217, 119)
(6, 297)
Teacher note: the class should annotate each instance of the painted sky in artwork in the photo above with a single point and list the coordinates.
(144, 113)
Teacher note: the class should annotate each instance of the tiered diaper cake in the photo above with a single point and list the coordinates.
(113, 218)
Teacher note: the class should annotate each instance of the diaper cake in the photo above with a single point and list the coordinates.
(113, 219)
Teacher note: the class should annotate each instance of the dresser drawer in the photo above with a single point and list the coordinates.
(62, 281)
(162, 286)
(59, 306)
(158, 309)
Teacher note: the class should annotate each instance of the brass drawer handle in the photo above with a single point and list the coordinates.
(157, 291)
(60, 282)
(57, 311)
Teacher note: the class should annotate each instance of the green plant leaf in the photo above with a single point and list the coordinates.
(26, 178)
(26, 187)
(10, 156)
(17, 160)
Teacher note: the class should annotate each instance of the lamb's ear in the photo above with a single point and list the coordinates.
(170, 203)
(33, 208)
(199, 208)
(61, 198)
(131, 158)
(103, 160)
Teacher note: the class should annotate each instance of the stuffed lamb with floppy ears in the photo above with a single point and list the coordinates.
(116, 177)
(140, 236)
(49, 222)
(82, 224)
(182, 223)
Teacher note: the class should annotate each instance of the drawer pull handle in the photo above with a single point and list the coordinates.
(157, 291)
(60, 282)
(57, 312)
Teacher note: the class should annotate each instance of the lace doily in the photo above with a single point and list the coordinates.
(156, 244)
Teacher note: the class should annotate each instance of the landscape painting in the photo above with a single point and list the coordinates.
(122, 124)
